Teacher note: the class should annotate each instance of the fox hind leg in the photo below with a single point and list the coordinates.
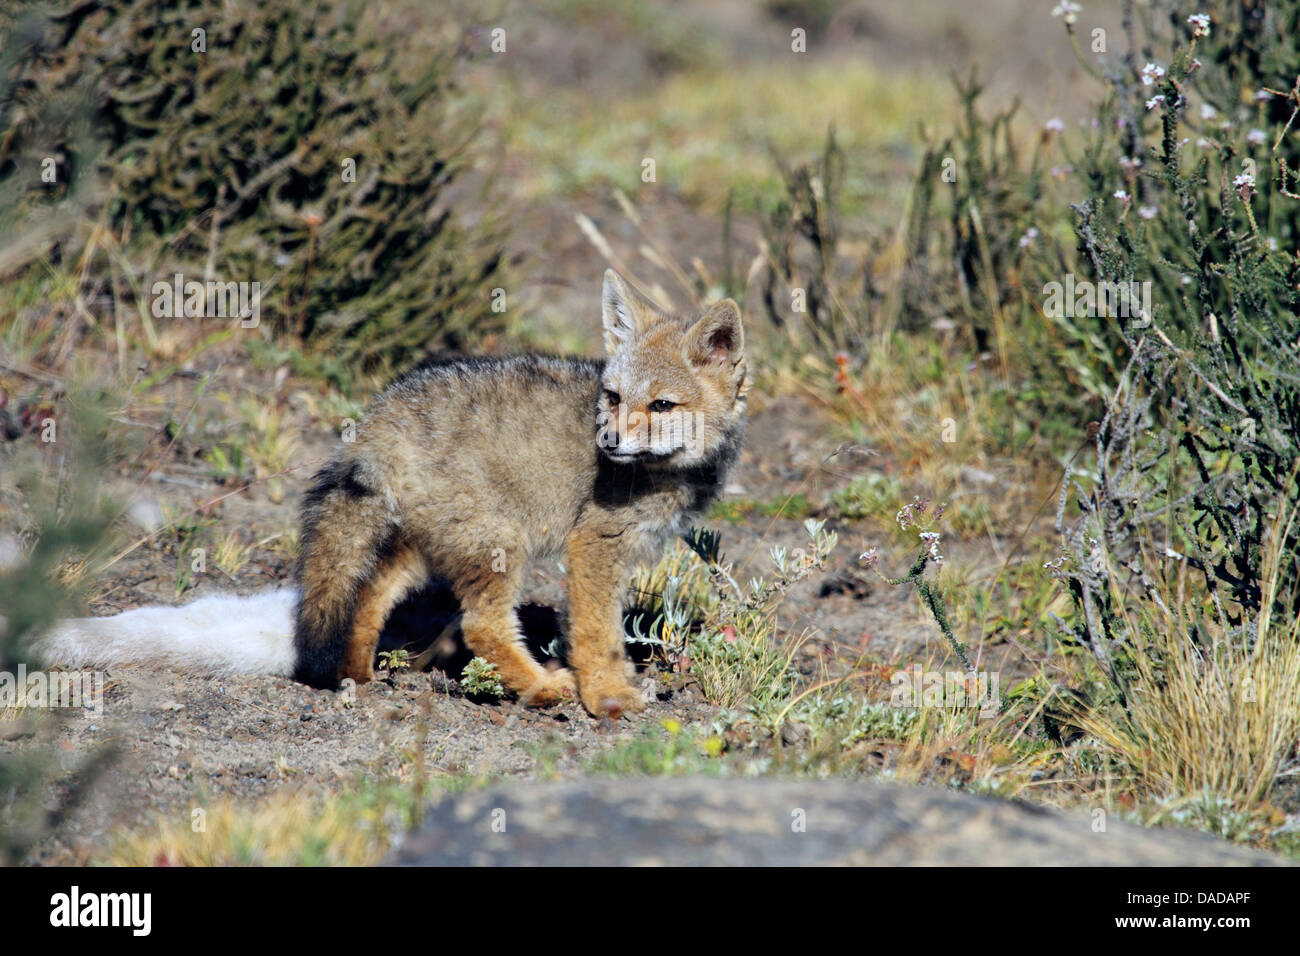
(345, 530)
(398, 573)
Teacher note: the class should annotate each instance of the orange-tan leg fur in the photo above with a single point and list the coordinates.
(596, 623)
(491, 631)
(398, 574)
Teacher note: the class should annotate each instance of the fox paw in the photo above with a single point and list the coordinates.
(558, 687)
(612, 699)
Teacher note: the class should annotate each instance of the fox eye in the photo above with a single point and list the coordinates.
(612, 397)
(662, 405)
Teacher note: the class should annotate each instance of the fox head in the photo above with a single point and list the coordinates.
(674, 387)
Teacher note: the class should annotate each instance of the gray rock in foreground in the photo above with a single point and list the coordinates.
(734, 822)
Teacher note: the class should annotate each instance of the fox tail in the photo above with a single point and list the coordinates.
(222, 634)
(300, 633)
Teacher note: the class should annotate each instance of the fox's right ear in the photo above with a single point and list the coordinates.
(622, 310)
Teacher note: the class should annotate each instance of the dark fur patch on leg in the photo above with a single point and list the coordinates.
(319, 646)
(345, 534)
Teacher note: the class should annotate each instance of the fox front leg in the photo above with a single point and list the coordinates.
(596, 580)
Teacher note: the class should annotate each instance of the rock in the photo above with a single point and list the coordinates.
(737, 822)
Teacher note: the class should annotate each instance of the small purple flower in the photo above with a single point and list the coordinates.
(1068, 11)
(1057, 567)
(1245, 186)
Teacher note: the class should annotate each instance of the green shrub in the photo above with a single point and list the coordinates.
(1196, 455)
(298, 148)
(872, 495)
(805, 291)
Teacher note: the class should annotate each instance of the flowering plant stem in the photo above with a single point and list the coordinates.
(933, 599)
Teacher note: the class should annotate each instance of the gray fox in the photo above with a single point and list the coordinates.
(468, 468)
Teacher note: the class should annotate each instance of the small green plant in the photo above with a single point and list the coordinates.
(479, 678)
(399, 660)
(667, 600)
(191, 530)
(838, 721)
(735, 510)
(724, 634)
(867, 496)
(227, 463)
(185, 571)
(663, 750)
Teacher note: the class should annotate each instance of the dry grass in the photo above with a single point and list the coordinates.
(272, 440)
(753, 666)
(986, 755)
(231, 553)
(1219, 717)
(289, 828)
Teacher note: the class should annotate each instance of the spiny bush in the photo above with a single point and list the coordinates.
(984, 226)
(294, 145)
(1193, 191)
(804, 287)
(977, 230)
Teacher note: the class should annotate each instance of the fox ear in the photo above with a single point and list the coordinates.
(623, 311)
(717, 337)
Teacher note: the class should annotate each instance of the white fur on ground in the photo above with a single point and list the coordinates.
(219, 635)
